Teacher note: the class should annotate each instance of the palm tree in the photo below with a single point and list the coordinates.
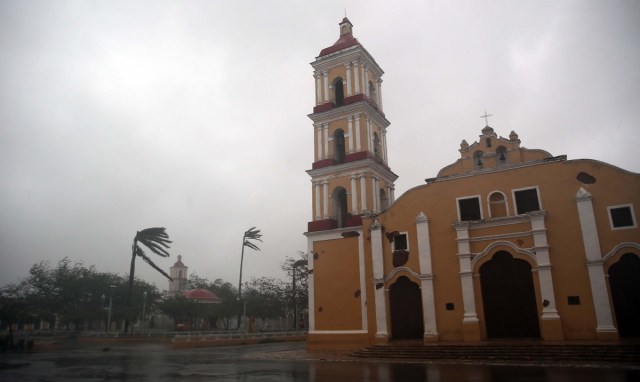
(156, 240)
(251, 234)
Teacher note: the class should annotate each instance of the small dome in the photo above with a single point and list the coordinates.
(202, 295)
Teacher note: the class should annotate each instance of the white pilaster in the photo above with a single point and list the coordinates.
(326, 140)
(374, 191)
(311, 286)
(319, 145)
(356, 76)
(541, 247)
(466, 273)
(369, 135)
(378, 280)
(350, 128)
(365, 81)
(363, 285)
(325, 80)
(354, 194)
(426, 276)
(358, 140)
(379, 82)
(318, 77)
(363, 193)
(348, 69)
(597, 278)
(325, 199)
(316, 185)
(384, 145)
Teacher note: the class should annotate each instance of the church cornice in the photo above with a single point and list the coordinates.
(367, 165)
(356, 53)
(342, 112)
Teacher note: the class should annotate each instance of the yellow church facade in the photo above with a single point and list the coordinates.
(505, 243)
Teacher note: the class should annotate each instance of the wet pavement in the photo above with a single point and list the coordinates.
(268, 362)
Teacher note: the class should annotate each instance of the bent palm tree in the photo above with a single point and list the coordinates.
(157, 240)
(251, 234)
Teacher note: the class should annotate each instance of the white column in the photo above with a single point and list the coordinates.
(316, 185)
(597, 278)
(348, 69)
(354, 194)
(378, 280)
(365, 80)
(392, 193)
(325, 79)
(369, 135)
(356, 76)
(541, 247)
(358, 140)
(466, 273)
(311, 286)
(374, 191)
(363, 193)
(319, 141)
(318, 77)
(325, 197)
(426, 276)
(363, 283)
(326, 141)
(384, 145)
(379, 82)
(350, 128)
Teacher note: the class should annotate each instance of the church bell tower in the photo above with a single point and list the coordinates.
(350, 172)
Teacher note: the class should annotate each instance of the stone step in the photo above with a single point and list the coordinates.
(548, 353)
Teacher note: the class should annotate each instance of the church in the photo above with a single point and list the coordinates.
(505, 243)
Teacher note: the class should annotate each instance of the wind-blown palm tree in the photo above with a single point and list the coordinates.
(157, 241)
(251, 234)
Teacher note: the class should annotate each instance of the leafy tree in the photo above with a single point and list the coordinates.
(297, 271)
(266, 297)
(157, 241)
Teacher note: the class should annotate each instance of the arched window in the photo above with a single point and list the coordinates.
(338, 92)
(338, 146)
(478, 159)
(501, 155)
(339, 197)
(377, 147)
(384, 200)
(373, 96)
(498, 205)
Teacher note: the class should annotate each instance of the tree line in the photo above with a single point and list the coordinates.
(74, 296)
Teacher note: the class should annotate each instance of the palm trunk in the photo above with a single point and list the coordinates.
(240, 285)
(132, 271)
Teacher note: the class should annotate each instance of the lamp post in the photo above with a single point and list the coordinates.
(102, 305)
(144, 305)
(295, 296)
(111, 287)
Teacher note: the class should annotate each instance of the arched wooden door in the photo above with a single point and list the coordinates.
(508, 298)
(624, 280)
(406, 310)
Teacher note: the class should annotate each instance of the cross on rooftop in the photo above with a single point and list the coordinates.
(486, 117)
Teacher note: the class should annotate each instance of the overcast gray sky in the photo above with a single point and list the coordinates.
(192, 115)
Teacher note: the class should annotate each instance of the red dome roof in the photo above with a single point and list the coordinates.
(202, 295)
(345, 41)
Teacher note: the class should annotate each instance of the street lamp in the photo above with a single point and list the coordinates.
(295, 296)
(111, 287)
(144, 305)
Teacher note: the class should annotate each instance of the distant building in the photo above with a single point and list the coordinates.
(506, 242)
(178, 273)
